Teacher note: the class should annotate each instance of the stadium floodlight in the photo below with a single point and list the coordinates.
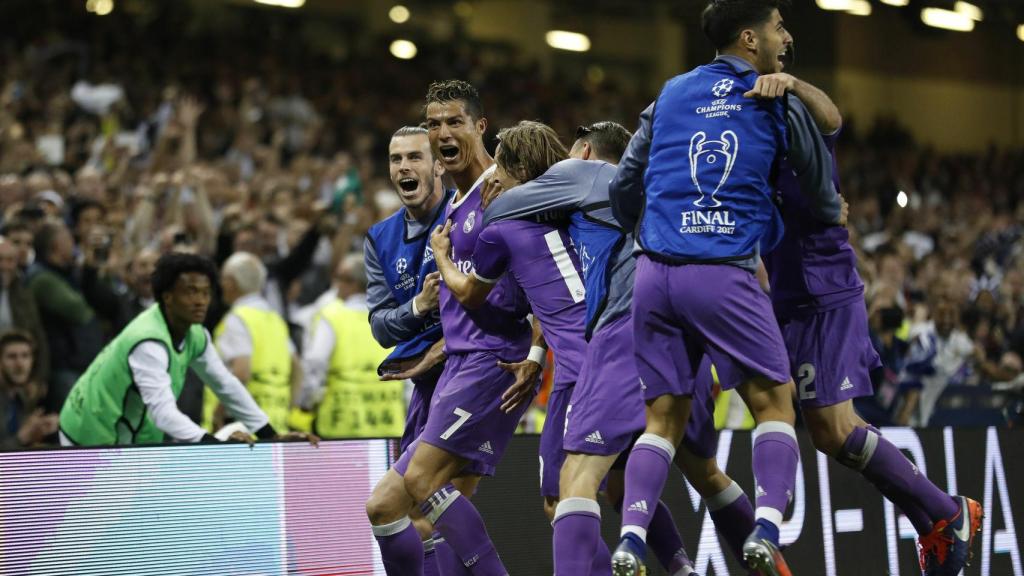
(1020, 32)
(282, 3)
(844, 5)
(571, 41)
(403, 49)
(860, 8)
(969, 10)
(399, 14)
(898, 3)
(946, 19)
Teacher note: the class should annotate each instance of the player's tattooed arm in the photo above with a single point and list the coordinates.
(469, 290)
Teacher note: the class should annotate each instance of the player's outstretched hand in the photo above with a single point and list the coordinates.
(300, 437)
(240, 436)
(492, 189)
(772, 86)
(415, 367)
(526, 373)
(439, 240)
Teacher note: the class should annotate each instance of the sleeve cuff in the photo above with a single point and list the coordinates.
(267, 432)
(486, 280)
(415, 310)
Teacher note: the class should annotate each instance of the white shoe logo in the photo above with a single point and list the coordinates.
(846, 385)
(486, 447)
(640, 506)
(963, 533)
(710, 151)
(595, 437)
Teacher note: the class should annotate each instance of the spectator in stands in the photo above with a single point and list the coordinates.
(18, 308)
(253, 342)
(138, 287)
(940, 354)
(340, 363)
(25, 424)
(66, 303)
(21, 237)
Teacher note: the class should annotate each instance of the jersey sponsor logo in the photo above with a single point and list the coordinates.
(467, 226)
(401, 265)
(711, 162)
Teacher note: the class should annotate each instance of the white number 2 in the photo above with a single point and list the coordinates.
(807, 374)
(463, 416)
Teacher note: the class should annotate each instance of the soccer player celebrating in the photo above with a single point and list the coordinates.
(541, 260)
(819, 298)
(477, 404)
(128, 395)
(700, 166)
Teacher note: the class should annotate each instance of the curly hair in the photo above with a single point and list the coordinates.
(442, 91)
(171, 266)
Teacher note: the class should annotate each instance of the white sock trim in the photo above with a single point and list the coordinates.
(731, 494)
(868, 452)
(774, 426)
(636, 530)
(657, 442)
(392, 528)
(428, 545)
(577, 505)
(770, 514)
(439, 502)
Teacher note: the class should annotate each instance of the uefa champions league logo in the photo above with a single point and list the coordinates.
(712, 156)
(401, 265)
(722, 88)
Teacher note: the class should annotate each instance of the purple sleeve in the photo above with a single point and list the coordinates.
(490, 255)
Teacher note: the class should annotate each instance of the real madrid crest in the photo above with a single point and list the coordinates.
(470, 220)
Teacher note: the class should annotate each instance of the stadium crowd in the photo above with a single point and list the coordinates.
(106, 164)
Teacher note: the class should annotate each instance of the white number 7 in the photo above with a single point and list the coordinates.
(463, 416)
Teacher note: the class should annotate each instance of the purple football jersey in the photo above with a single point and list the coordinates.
(544, 264)
(499, 325)
(814, 268)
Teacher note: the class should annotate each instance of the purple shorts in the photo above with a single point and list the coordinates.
(419, 408)
(607, 407)
(683, 312)
(552, 456)
(831, 355)
(465, 413)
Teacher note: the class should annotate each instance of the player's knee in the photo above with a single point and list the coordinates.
(828, 439)
(380, 509)
(419, 486)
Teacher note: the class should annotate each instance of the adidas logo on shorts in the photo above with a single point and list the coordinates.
(595, 437)
(486, 447)
(640, 506)
(846, 385)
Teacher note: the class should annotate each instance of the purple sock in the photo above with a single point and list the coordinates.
(602, 565)
(896, 477)
(430, 567)
(463, 529)
(775, 460)
(733, 516)
(664, 539)
(577, 533)
(448, 564)
(401, 549)
(646, 472)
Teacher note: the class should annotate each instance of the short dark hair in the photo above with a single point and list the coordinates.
(16, 336)
(45, 238)
(442, 91)
(15, 225)
(171, 266)
(608, 139)
(723, 20)
(83, 205)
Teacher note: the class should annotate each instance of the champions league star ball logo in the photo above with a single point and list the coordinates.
(722, 88)
(401, 265)
(711, 163)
